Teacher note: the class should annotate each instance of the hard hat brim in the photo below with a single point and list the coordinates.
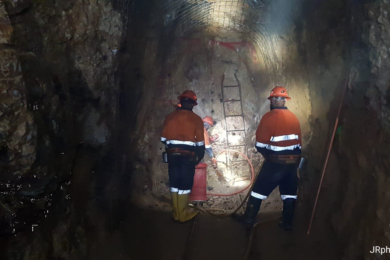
(269, 98)
(180, 97)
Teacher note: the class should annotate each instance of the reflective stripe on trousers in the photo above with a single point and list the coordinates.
(189, 143)
(277, 148)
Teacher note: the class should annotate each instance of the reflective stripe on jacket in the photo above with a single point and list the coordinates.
(279, 132)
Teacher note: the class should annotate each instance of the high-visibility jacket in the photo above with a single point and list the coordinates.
(184, 129)
(279, 133)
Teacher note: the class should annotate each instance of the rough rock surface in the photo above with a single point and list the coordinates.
(58, 104)
(362, 218)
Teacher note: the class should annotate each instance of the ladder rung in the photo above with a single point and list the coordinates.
(234, 116)
(231, 86)
(243, 130)
(234, 100)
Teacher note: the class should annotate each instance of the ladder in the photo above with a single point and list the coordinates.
(234, 120)
(233, 113)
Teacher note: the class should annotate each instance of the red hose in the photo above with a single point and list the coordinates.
(252, 171)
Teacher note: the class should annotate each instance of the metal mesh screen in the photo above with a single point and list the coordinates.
(261, 21)
(190, 14)
(228, 14)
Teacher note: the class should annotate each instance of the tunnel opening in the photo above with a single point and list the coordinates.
(86, 85)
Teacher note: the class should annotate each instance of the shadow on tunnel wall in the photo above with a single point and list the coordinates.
(66, 97)
(349, 174)
(81, 102)
(143, 51)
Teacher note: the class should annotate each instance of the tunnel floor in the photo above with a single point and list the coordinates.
(154, 235)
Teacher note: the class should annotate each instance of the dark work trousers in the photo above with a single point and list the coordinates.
(271, 175)
(181, 169)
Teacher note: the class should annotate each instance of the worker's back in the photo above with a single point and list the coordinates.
(183, 127)
(279, 132)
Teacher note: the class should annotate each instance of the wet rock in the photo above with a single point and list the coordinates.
(6, 27)
(41, 203)
(37, 249)
(69, 63)
(27, 149)
(10, 203)
(61, 245)
(95, 133)
(17, 6)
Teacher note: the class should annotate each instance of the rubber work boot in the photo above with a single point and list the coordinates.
(185, 212)
(252, 208)
(175, 206)
(288, 213)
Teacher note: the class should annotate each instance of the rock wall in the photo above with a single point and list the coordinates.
(361, 218)
(18, 136)
(337, 40)
(58, 92)
(198, 62)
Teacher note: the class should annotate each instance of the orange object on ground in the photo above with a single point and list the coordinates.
(198, 192)
(189, 94)
(279, 92)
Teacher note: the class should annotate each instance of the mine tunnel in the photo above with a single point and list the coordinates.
(85, 87)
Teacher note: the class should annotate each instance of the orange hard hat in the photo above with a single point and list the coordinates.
(279, 92)
(188, 94)
(208, 120)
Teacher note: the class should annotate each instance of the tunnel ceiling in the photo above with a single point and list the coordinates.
(260, 21)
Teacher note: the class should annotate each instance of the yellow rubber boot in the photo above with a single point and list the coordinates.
(185, 212)
(176, 215)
